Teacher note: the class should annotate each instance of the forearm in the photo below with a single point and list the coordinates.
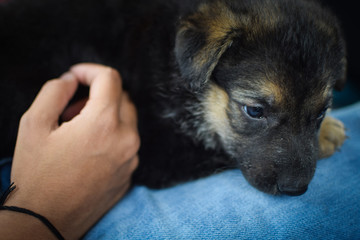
(16, 225)
(73, 173)
(34, 215)
(24, 216)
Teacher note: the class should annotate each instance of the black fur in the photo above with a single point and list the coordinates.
(159, 47)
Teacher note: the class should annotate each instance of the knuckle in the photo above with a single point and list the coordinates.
(28, 119)
(53, 83)
(104, 127)
(111, 119)
(134, 163)
(113, 74)
(129, 143)
(133, 140)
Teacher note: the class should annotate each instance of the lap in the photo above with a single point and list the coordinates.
(225, 206)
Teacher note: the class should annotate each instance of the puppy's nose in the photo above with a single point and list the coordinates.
(291, 191)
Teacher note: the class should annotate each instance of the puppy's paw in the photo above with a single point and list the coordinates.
(332, 136)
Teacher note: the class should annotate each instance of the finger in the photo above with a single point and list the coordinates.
(52, 100)
(104, 82)
(127, 113)
(86, 72)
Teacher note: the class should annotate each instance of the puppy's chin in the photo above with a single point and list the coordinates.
(275, 189)
(264, 181)
(269, 182)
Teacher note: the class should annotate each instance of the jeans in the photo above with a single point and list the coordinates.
(225, 206)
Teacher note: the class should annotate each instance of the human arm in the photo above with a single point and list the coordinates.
(73, 173)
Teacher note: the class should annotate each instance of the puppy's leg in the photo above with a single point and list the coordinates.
(332, 136)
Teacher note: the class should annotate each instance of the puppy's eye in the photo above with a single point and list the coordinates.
(322, 114)
(254, 112)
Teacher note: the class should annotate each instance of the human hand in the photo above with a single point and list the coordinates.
(74, 173)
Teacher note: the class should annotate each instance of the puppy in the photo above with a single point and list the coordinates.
(218, 84)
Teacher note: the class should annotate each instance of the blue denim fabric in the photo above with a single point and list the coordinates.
(225, 206)
(5, 168)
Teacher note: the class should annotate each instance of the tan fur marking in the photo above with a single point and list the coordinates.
(220, 25)
(218, 22)
(215, 105)
(273, 91)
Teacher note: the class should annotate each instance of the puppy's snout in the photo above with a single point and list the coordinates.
(294, 183)
(296, 168)
(292, 191)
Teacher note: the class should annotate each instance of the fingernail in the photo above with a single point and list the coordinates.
(67, 76)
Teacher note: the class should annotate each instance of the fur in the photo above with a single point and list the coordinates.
(195, 70)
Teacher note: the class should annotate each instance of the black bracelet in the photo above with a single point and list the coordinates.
(28, 212)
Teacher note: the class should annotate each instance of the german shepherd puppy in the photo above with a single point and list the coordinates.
(218, 84)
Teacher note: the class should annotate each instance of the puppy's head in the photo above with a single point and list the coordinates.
(265, 72)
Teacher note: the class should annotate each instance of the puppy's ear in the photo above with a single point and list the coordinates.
(201, 39)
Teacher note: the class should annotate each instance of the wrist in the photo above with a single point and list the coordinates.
(66, 215)
(37, 212)
(15, 225)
